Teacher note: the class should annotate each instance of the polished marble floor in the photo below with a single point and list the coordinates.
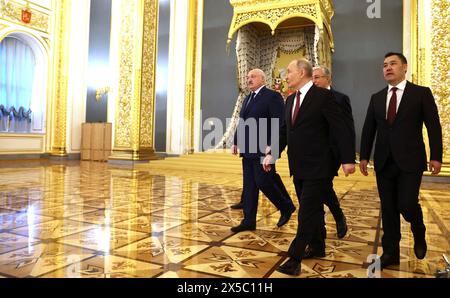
(89, 220)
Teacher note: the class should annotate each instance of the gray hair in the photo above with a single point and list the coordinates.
(261, 73)
(305, 65)
(324, 69)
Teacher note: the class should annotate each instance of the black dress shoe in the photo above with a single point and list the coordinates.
(341, 227)
(285, 216)
(239, 205)
(313, 253)
(242, 227)
(420, 248)
(387, 260)
(291, 267)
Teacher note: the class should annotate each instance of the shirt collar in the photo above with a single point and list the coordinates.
(401, 86)
(259, 89)
(306, 88)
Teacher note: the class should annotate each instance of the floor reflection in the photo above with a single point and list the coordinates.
(88, 220)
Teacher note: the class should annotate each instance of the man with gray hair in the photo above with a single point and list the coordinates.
(322, 79)
(311, 115)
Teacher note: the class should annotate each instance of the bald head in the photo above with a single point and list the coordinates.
(255, 79)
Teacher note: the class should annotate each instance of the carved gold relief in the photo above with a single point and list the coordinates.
(191, 75)
(125, 92)
(440, 68)
(60, 83)
(13, 12)
(148, 72)
(136, 91)
(273, 13)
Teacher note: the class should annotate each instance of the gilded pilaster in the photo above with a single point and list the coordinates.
(191, 75)
(60, 70)
(134, 119)
(440, 68)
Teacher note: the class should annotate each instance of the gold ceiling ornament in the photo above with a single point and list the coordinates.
(274, 12)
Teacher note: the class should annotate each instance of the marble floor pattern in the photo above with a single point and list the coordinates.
(88, 220)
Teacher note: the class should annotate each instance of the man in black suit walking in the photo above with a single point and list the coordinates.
(396, 116)
(322, 79)
(311, 115)
(254, 139)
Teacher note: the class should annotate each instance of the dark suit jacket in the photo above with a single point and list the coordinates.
(309, 140)
(267, 104)
(403, 139)
(344, 102)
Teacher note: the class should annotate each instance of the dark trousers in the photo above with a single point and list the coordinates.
(256, 179)
(332, 203)
(311, 222)
(399, 194)
(279, 184)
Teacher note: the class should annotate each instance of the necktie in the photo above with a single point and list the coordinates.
(297, 107)
(392, 110)
(250, 99)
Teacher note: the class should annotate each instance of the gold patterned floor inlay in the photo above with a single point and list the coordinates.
(89, 220)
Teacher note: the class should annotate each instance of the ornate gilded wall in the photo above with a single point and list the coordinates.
(134, 118)
(440, 67)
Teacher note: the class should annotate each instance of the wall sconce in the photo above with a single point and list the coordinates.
(100, 92)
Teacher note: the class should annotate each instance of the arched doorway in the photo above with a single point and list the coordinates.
(23, 83)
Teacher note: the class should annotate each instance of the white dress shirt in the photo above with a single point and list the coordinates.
(400, 89)
(303, 92)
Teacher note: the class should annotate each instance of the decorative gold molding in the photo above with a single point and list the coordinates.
(12, 11)
(60, 60)
(274, 12)
(148, 73)
(191, 75)
(134, 123)
(440, 68)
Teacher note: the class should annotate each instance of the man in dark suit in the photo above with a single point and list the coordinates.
(253, 138)
(311, 115)
(322, 79)
(396, 116)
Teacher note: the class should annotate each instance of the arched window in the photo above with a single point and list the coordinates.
(22, 85)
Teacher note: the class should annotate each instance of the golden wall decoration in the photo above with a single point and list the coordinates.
(61, 46)
(191, 75)
(134, 121)
(123, 129)
(148, 73)
(12, 11)
(274, 12)
(440, 68)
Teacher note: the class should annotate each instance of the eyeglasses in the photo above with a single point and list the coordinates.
(318, 77)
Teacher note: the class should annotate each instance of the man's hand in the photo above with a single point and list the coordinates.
(267, 163)
(234, 150)
(435, 167)
(363, 167)
(348, 168)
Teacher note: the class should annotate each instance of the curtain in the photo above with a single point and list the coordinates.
(17, 70)
(255, 49)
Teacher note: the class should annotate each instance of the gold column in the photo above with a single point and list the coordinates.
(440, 68)
(191, 75)
(134, 117)
(60, 78)
(430, 48)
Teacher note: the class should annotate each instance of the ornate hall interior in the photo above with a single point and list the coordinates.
(117, 118)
